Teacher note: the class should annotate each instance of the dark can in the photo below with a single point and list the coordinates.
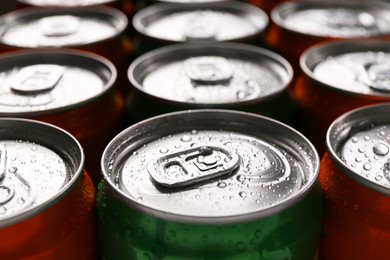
(209, 184)
(338, 77)
(266, 5)
(355, 178)
(94, 29)
(168, 23)
(47, 200)
(203, 75)
(72, 89)
(306, 23)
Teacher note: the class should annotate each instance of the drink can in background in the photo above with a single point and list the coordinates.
(47, 200)
(297, 26)
(338, 77)
(72, 89)
(168, 23)
(355, 178)
(209, 184)
(210, 75)
(100, 30)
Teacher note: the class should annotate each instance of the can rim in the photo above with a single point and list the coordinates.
(108, 86)
(34, 3)
(323, 50)
(343, 127)
(121, 195)
(16, 218)
(120, 17)
(161, 9)
(279, 12)
(218, 47)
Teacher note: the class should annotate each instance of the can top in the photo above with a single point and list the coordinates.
(39, 164)
(205, 73)
(210, 166)
(217, 21)
(60, 27)
(358, 143)
(65, 3)
(43, 82)
(358, 67)
(334, 19)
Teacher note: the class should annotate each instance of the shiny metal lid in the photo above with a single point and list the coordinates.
(217, 73)
(59, 27)
(217, 21)
(66, 3)
(39, 163)
(42, 82)
(359, 67)
(359, 144)
(210, 166)
(334, 19)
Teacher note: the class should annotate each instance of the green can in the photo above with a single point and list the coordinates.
(231, 76)
(209, 184)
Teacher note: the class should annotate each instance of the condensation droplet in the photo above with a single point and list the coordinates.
(194, 132)
(354, 139)
(367, 166)
(222, 184)
(380, 149)
(378, 177)
(361, 149)
(358, 159)
(241, 178)
(21, 200)
(3, 210)
(185, 138)
(366, 138)
(164, 150)
(242, 194)
(13, 169)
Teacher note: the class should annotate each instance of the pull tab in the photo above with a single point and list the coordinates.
(6, 193)
(35, 79)
(60, 25)
(208, 70)
(192, 166)
(377, 75)
(202, 26)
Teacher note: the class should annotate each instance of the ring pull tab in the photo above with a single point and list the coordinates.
(201, 26)
(59, 25)
(208, 70)
(36, 79)
(377, 75)
(6, 193)
(193, 166)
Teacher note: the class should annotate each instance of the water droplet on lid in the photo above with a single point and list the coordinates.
(241, 178)
(382, 133)
(135, 153)
(366, 138)
(358, 159)
(13, 169)
(194, 132)
(242, 194)
(222, 184)
(164, 150)
(361, 149)
(354, 139)
(378, 177)
(185, 138)
(21, 200)
(3, 210)
(380, 149)
(367, 166)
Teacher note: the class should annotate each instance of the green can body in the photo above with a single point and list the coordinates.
(126, 233)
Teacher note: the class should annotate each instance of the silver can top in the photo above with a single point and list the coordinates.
(41, 82)
(217, 21)
(358, 143)
(204, 73)
(39, 163)
(334, 19)
(210, 166)
(59, 27)
(66, 3)
(354, 67)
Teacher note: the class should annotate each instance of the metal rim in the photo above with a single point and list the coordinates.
(112, 149)
(217, 48)
(34, 3)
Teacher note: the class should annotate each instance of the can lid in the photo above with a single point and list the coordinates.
(61, 27)
(39, 82)
(358, 143)
(39, 163)
(204, 73)
(359, 67)
(334, 19)
(67, 3)
(217, 21)
(210, 166)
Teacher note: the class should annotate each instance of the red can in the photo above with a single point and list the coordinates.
(299, 25)
(355, 180)
(47, 200)
(266, 5)
(94, 29)
(72, 89)
(338, 77)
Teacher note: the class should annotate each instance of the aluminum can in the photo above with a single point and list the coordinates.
(168, 23)
(266, 5)
(338, 77)
(94, 29)
(209, 184)
(306, 23)
(47, 200)
(354, 177)
(203, 75)
(68, 88)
